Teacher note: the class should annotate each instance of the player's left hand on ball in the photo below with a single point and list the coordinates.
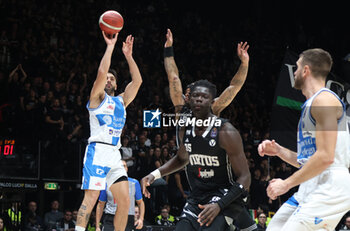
(207, 216)
(276, 188)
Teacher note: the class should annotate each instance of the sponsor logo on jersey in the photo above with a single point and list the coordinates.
(204, 160)
(206, 173)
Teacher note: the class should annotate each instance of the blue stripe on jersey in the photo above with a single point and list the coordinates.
(292, 201)
(119, 113)
(92, 109)
(138, 193)
(90, 169)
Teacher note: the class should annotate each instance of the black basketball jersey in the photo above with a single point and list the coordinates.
(209, 170)
(185, 113)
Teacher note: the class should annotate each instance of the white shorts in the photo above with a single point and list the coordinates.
(323, 207)
(283, 214)
(102, 165)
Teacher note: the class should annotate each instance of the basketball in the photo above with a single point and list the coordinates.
(111, 22)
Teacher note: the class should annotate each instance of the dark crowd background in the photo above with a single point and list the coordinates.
(50, 52)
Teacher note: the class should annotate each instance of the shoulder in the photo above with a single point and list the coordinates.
(326, 98)
(228, 127)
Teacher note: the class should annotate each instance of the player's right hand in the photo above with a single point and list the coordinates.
(268, 147)
(169, 39)
(145, 182)
(110, 40)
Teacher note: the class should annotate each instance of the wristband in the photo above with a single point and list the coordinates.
(156, 174)
(234, 192)
(168, 52)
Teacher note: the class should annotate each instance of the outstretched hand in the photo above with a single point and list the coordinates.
(242, 52)
(169, 39)
(127, 46)
(145, 182)
(268, 147)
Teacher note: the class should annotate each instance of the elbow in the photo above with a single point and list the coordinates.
(328, 161)
(102, 71)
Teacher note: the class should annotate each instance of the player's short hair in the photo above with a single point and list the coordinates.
(319, 61)
(207, 84)
(113, 72)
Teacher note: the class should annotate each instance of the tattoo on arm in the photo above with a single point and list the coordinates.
(240, 76)
(170, 66)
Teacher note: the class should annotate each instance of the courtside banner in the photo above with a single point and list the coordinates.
(287, 105)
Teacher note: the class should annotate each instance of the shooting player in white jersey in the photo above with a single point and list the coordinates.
(102, 161)
(323, 156)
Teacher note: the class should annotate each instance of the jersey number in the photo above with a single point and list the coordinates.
(188, 147)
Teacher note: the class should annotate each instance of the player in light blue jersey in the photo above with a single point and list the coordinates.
(102, 161)
(323, 155)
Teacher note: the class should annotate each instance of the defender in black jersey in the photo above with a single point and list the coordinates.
(211, 149)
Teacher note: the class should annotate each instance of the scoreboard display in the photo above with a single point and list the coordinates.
(7, 147)
(18, 159)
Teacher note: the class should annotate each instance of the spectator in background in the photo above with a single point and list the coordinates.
(346, 224)
(164, 218)
(74, 216)
(261, 222)
(127, 154)
(2, 225)
(51, 217)
(66, 223)
(31, 218)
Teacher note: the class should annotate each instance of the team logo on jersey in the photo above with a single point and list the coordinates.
(212, 142)
(318, 220)
(214, 133)
(99, 171)
(107, 119)
(204, 160)
(151, 118)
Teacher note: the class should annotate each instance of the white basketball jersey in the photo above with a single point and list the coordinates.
(307, 135)
(107, 120)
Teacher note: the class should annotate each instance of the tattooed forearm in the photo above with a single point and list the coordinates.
(240, 76)
(170, 66)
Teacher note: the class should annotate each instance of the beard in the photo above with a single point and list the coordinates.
(109, 90)
(299, 82)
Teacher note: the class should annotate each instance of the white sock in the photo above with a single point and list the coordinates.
(79, 228)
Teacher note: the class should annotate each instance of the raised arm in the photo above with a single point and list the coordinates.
(136, 80)
(175, 86)
(236, 83)
(97, 93)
